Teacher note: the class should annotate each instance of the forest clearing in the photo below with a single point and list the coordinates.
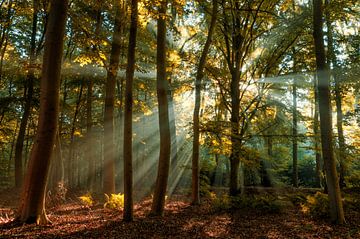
(179, 119)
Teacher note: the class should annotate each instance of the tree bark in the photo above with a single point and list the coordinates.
(28, 95)
(71, 166)
(90, 142)
(318, 169)
(336, 207)
(195, 196)
(339, 114)
(158, 203)
(32, 206)
(109, 144)
(128, 170)
(294, 133)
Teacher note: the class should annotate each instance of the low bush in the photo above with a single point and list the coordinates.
(263, 203)
(316, 205)
(114, 201)
(87, 200)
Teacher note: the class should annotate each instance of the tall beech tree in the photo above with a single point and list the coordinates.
(109, 144)
(89, 101)
(32, 203)
(128, 175)
(295, 179)
(339, 114)
(162, 87)
(196, 117)
(323, 74)
(28, 95)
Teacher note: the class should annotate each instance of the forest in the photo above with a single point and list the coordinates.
(179, 119)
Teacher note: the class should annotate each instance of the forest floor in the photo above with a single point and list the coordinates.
(181, 220)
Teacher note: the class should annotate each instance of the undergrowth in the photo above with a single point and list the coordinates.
(263, 203)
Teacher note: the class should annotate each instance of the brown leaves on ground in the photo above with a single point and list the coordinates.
(181, 220)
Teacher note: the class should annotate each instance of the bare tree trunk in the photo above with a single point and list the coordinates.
(90, 144)
(71, 159)
(32, 203)
(158, 203)
(28, 95)
(336, 207)
(318, 168)
(195, 196)
(295, 143)
(128, 170)
(109, 144)
(235, 134)
(339, 113)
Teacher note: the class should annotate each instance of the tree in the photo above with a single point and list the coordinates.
(32, 207)
(336, 207)
(28, 95)
(162, 86)
(128, 180)
(109, 144)
(294, 130)
(339, 114)
(196, 121)
(89, 101)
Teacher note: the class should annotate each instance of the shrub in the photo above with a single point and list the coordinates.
(316, 205)
(298, 199)
(204, 189)
(222, 203)
(265, 204)
(353, 180)
(115, 201)
(87, 200)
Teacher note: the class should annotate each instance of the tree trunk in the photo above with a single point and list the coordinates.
(71, 166)
(90, 144)
(339, 115)
(336, 207)
(195, 196)
(294, 132)
(32, 203)
(28, 95)
(128, 170)
(235, 134)
(158, 203)
(318, 169)
(109, 144)
(57, 167)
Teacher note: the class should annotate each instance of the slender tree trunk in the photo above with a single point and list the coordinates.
(90, 142)
(109, 144)
(71, 159)
(195, 196)
(318, 168)
(294, 132)
(57, 167)
(235, 134)
(336, 207)
(172, 123)
(265, 179)
(128, 170)
(158, 203)
(32, 203)
(339, 114)
(29, 89)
